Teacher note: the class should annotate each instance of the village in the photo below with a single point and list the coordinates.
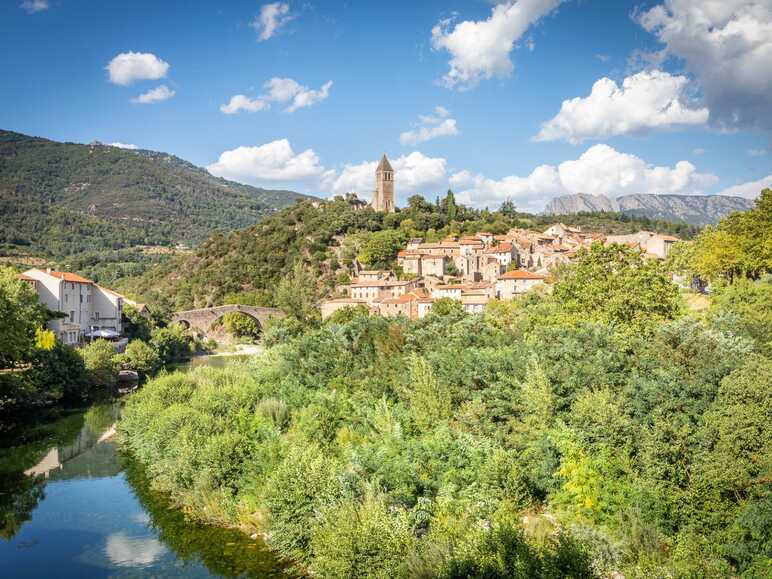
(472, 269)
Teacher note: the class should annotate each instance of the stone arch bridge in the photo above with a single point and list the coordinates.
(201, 320)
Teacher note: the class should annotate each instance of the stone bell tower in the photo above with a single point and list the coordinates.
(383, 197)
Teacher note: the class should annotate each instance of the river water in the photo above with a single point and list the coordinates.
(72, 505)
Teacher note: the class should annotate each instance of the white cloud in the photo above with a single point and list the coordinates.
(124, 146)
(699, 151)
(480, 50)
(600, 170)
(129, 67)
(279, 90)
(646, 101)
(414, 173)
(750, 190)
(757, 152)
(430, 127)
(241, 102)
(33, 6)
(272, 17)
(727, 45)
(274, 161)
(154, 95)
(306, 97)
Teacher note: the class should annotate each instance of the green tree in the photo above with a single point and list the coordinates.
(617, 284)
(446, 307)
(450, 206)
(101, 363)
(21, 316)
(297, 295)
(172, 343)
(135, 325)
(140, 357)
(380, 248)
(430, 401)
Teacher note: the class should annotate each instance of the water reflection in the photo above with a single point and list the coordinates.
(126, 551)
(71, 505)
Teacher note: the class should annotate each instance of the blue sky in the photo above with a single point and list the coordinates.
(462, 94)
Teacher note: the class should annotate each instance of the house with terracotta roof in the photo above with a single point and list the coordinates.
(87, 307)
(374, 275)
(329, 307)
(371, 291)
(517, 281)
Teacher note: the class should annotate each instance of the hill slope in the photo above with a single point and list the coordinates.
(107, 196)
(694, 209)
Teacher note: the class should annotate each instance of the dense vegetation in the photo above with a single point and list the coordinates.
(63, 200)
(596, 429)
(37, 370)
(248, 265)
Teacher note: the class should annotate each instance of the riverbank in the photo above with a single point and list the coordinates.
(70, 500)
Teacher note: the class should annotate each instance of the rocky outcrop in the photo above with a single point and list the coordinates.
(694, 209)
(580, 203)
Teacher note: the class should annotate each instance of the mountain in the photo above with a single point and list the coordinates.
(696, 209)
(693, 209)
(65, 197)
(580, 203)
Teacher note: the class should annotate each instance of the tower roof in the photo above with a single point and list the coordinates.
(384, 165)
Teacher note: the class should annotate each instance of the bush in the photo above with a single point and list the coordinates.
(101, 363)
(362, 539)
(140, 357)
(171, 343)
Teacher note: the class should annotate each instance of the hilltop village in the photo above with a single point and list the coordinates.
(471, 269)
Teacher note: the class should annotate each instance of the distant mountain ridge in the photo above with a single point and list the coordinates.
(693, 209)
(134, 196)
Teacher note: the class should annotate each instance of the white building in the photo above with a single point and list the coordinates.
(86, 306)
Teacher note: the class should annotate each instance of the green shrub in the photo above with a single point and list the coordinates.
(140, 357)
(101, 363)
(305, 482)
(362, 538)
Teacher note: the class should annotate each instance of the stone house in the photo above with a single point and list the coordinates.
(329, 307)
(370, 291)
(474, 303)
(87, 306)
(516, 282)
(375, 275)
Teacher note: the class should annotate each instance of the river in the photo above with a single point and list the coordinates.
(73, 505)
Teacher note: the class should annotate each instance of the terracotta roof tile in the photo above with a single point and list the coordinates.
(520, 274)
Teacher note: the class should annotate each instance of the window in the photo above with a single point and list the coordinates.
(96, 315)
(66, 298)
(72, 316)
(81, 298)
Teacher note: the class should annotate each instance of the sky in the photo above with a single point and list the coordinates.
(518, 100)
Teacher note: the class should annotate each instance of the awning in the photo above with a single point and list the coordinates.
(102, 334)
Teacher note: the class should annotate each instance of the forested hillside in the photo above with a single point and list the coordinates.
(59, 200)
(324, 237)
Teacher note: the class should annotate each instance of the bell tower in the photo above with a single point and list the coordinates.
(383, 198)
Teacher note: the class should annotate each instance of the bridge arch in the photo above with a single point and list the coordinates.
(201, 320)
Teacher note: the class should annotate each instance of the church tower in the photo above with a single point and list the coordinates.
(383, 198)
